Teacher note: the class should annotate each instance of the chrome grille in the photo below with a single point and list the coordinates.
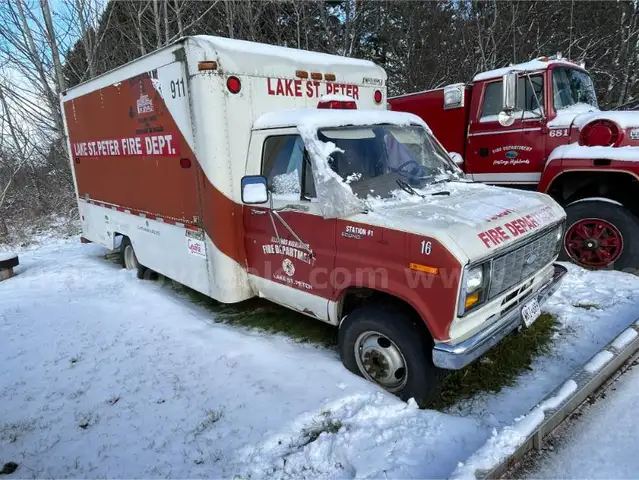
(515, 266)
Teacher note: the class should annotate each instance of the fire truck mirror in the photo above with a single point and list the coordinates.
(254, 189)
(457, 158)
(506, 119)
(509, 92)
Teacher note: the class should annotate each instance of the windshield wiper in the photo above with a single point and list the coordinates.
(407, 188)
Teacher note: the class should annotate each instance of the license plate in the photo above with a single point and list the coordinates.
(531, 312)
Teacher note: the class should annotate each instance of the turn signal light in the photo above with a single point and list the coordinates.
(423, 268)
(471, 300)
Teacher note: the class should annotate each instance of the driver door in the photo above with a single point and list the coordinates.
(290, 247)
(513, 154)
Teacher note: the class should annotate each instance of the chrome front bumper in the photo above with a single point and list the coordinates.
(455, 357)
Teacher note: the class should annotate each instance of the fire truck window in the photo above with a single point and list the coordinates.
(530, 94)
(527, 90)
(285, 164)
(492, 100)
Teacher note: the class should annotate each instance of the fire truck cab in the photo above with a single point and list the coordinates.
(537, 125)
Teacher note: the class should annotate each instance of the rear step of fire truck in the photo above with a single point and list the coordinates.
(563, 402)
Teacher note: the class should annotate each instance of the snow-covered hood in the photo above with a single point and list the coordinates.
(474, 221)
(580, 115)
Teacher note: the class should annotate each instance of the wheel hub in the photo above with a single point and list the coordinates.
(380, 360)
(593, 242)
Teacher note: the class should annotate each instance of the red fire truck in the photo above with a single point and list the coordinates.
(537, 125)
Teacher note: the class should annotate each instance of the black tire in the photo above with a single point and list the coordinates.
(141, 270)
(123, 244)
(422, 379)
(620, 217)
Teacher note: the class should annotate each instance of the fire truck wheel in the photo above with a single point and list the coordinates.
(601, 234)
(388, 348)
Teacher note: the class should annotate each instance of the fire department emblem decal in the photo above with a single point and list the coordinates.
(144, 104)
(288, 267)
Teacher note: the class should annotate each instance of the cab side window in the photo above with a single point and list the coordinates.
(285, 166)
(529, 93)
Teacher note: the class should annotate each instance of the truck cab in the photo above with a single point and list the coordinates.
(544, 131)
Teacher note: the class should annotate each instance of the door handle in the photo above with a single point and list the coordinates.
(255, 211)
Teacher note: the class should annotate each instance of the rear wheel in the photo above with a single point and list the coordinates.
(129, 260)
(601, 235)
(390, 349)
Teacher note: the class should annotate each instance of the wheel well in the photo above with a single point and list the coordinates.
(117, 239)
(357, 297)
(621, 187)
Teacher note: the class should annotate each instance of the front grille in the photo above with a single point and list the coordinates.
(524, 261)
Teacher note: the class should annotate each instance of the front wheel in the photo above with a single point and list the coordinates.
(390, 349)
(601, 235)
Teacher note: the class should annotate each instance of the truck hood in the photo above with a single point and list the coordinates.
(474, 220)
(578, 116)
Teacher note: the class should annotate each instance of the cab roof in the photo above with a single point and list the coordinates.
(305, 118)
(533, 65)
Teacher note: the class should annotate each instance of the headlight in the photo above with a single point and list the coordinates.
(473, 287)
(474, 279)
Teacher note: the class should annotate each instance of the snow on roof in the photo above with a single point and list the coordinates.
(321, 118)
(247, 56)
(522, 67)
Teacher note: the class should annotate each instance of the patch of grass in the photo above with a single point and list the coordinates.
(269, 317)
(501, 366)
(210, 419)
(587, 305)
(323, 424)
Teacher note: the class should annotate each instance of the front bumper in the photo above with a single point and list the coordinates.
(455, 357)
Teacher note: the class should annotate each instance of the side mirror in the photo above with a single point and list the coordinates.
(254, 189)
(457, 158)
(509, 92)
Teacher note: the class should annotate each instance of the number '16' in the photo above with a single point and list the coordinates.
(427, 247)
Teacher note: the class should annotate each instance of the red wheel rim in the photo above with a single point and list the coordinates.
(593, 242)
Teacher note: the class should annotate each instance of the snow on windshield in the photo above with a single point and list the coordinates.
(382, 159)
(356, 154)
(334, 196)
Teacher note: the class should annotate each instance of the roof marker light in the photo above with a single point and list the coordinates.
(316, 76)
(207, 65)
(301, 74)
(329, 77)
(234, 85)
(338, 105)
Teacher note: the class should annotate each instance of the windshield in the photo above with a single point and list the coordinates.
(572, 87)
(381, 159)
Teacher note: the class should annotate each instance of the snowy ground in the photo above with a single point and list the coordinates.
(104, 375)
(602, 443)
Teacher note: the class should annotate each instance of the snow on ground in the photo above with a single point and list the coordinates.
(592, 309)
(108, 376)
(602, 443)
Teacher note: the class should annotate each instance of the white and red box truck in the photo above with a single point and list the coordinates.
(241, 170)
